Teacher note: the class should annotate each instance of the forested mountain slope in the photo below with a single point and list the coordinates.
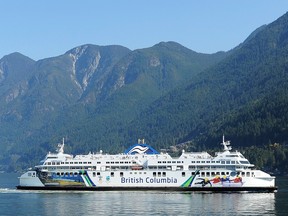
(87, 95)
(244, 97)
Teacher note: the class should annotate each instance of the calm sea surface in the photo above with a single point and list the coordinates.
(15, 202)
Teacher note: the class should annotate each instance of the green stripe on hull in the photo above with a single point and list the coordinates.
(190, 180)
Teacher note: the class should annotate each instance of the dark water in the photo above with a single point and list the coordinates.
(14, 202)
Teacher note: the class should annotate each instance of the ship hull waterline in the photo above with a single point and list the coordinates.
(191, 189)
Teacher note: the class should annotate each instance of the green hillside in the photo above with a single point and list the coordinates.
(90, 95)
(244, 96)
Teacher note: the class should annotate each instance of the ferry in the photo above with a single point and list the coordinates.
(141, 167)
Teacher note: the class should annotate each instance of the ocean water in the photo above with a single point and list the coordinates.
(19, 202)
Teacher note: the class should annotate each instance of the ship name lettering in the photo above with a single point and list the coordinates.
(161, 180)
(132, 180)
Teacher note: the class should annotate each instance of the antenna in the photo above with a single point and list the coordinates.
(61, 147)
(226, 144)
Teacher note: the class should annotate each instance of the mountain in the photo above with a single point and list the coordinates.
(106, 97)
(87, 94)
(244, 96)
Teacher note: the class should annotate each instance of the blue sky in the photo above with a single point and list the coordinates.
(42, 29)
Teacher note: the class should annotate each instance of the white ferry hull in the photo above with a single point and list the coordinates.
(144, 180)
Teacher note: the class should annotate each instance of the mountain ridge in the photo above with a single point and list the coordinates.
(104, 97)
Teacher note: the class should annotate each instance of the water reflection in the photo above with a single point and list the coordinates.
(157, 203)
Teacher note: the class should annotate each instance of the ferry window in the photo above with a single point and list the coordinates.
(66, 162)
(202, 161)
(112, 162)
(222, 162)
(121, 174)
(58, 163)
(227, 162)
(164, 161)
(71, 162)
(168, 161)
(121, 162)
(159, 174)
(222, 173)
(29, 174)
(243, 173)
(207, 174)
(62, 162)
(248, 174)
(193, 173)
(117, 162)
(112, 174)
(53, 163)
(144, 173)
(89, 162)
(202, 173)
(75, 173)
(94, 174)
(154, 174)
(207, 161)
(159, 161)
(164, 174)
(192, 161)
(197, 161)
(98, 173)
(71, 173)
(84, 162)
(80, 162)
(178, 161)
(75, 162)
(49, 163)
(97, 162)
(227, 173)
(213, 173)
(232, 162)
(217, 173)
(173, 161)
(183, 174)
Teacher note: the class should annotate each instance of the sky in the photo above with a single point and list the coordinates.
(42, 29)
